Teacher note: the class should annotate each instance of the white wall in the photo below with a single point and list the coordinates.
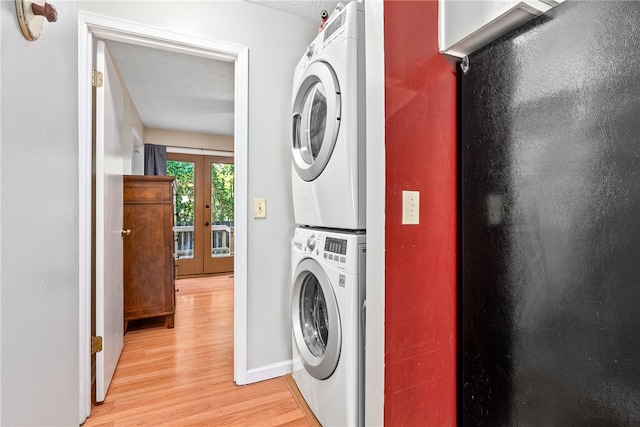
(39, 228)
(131, 121)
(1, 14)
(276, 40)
(374, 375)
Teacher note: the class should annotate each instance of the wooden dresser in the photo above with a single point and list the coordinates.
(149, 265)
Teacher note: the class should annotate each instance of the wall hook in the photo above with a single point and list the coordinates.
(464, 65)
(31, 15)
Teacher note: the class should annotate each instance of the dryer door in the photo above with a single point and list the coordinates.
(316, 120)
(316, 320)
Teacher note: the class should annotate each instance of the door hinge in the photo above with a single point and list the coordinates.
(96, 345)
(96, 78)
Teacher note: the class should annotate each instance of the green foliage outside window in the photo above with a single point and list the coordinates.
(222, 180)
(184, 173)
(222, 176)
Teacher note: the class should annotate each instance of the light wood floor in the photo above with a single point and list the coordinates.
(184, 376)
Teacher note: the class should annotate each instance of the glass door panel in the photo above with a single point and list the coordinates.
(204, 226)
(219, 238)
(314, 316)
(188, 227)
(184, 206)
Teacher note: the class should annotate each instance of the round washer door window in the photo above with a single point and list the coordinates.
(316, 320)
(316, 120)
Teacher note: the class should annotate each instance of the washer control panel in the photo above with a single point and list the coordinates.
(335, 249)
(338, 250)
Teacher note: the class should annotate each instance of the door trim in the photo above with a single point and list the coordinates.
(92, 26)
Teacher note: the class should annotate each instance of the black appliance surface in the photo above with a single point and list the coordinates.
(550, 222)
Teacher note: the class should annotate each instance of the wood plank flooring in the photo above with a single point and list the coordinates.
(184, 376)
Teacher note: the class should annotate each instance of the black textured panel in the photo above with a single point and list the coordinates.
(550, 205)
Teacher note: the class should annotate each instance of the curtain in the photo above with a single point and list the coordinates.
(155, 159)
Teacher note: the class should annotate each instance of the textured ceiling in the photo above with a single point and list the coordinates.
(188, 93)
(175, 91)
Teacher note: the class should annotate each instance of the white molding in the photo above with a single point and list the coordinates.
(270, 371)
(92, 26)
(142, 35)
(199, 151)
(85, 44)
(241, 151)
(374, 396)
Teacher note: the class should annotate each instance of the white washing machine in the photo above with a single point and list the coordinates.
(328, 131)
(327, 297)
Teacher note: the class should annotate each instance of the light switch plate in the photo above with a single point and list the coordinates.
(410, 207)
(260, 208)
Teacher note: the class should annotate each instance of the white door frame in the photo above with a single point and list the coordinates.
(91, 27)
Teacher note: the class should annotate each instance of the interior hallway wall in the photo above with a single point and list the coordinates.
(131, 121)
(39, 227)
(420, 291)
(276, 41)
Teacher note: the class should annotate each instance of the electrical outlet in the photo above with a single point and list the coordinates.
(410, 207)
(259, 208)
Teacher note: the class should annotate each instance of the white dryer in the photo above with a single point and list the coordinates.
(328, 131)
(327, 297)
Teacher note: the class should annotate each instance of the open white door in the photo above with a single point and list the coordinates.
(109, 169)
(94, 26)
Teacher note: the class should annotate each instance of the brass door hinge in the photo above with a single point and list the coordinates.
(96, 345)
(96, 78)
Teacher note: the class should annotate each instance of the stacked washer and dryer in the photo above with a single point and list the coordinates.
(329, 243)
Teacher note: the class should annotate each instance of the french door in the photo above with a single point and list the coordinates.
(204, 226)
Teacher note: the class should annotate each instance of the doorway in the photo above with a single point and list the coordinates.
(92, 27)
(204, 226)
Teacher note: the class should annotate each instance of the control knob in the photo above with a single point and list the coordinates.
(310, 51)
(311, 243)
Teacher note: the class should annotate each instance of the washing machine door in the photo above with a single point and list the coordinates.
(316, 120)
(316, 320)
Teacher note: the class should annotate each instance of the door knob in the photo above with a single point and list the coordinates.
(206, 224)
(125, 232)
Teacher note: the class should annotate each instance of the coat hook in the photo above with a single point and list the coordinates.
(48, 11)
(31, 15)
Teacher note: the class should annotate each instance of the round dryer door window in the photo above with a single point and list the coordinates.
(316, 321)
(316, 120)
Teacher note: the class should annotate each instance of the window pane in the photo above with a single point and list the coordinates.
(314, 316)
(185, 198)
(222, 179)
(314, 122)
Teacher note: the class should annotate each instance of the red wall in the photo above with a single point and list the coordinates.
(420, 312)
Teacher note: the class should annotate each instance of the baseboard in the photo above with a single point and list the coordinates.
(270, 371)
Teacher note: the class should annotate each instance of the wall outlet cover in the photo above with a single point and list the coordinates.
(260, 208)
(410, 207)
